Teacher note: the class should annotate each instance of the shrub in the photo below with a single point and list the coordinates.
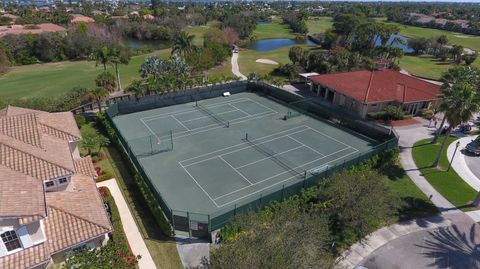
(427, 113)
(104, 176)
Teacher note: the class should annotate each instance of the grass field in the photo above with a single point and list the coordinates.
(54, 79)
(247, 59)
(199, 31)
(467, 41)
(449, 184)
(424, 66)
(319, 24)
(274, 30)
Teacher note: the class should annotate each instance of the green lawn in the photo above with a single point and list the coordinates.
(319, 24)
(247, 59)
(415, 203)
(467, 41)
(273, 30)
(449, 184)
(424, 66)
(199, 31)
(54, 79)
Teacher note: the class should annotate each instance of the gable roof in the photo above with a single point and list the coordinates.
(379, 86)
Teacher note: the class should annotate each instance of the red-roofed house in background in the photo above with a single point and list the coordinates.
(79, 18)
(368, 91)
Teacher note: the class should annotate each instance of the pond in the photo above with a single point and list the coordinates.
(276, 43)
(264, 22)
(393, 42)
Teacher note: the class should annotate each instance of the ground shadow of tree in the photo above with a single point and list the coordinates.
(453, 248)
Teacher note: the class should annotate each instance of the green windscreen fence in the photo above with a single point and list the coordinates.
(200, 225)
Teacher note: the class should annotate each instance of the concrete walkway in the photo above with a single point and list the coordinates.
(192, 251)
(408, 136)
(459, 164)
(235, 68)
(134, 237)
(360, 250)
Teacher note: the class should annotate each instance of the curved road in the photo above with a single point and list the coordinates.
(235, 68)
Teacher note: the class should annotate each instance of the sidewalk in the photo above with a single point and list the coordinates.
(134, 237)
(362, 249)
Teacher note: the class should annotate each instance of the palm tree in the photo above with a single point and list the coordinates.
(137, 88)
(98, 94)
(464, 102)
(101, 56)
(119, 55)
(454, 76)
(183, 44)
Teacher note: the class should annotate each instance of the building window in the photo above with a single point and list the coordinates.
(63, 180)
(49, 184)
(11, 241)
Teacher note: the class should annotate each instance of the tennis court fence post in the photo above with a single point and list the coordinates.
(171, 138)
(283, 192)
(209, 225)
(188, 225)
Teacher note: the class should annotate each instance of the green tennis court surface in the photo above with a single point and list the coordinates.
(228, 151)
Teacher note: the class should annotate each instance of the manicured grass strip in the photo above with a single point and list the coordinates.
(319, 24)
(424, 66)
(162, 249)
(273, 30)
(448, 184)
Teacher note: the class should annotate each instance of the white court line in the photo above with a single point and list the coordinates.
(263, 106)
(186, 111)
(202, 117)
(239, 109)
(235, 169)
(314, 150)
(288, 171)
(330, 137)
(236, 145)
(149, 129)
(265, 158)
(276, 183)
(183, 125)
(199, 185)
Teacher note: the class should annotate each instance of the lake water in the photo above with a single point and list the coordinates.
(393, 42)
(264, 22)
(276, 43)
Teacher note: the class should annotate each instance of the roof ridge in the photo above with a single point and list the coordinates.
(58, 130)
(29, 154)
(78, 217)
(365, 100)
(36, 142)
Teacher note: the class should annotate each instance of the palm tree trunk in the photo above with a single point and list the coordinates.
(119, 85)
(442, 148)
(99, 103)
(439, 130)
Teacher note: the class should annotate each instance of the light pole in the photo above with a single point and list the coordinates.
(456, 148)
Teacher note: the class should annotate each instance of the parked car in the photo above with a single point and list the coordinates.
(474, 146)
(465, 128)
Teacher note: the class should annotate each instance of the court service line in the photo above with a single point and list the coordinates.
(265, 158)
(271, 109)
(202, 117)
(199, 185)
(241, 110)
(233, 201)
(186, 111)
(318, 159)
(149, 129)
(183, 125)
(314, 150)
(236, 145)
(234, 169)
(315, 130)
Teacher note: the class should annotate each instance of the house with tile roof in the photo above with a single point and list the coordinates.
(49, 203)
(368, 91)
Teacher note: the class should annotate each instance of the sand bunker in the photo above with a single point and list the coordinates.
(266, 61)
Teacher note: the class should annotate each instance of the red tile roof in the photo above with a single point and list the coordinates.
(379, 86)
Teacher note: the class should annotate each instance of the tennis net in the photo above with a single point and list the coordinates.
(214, 116)
(286, 164)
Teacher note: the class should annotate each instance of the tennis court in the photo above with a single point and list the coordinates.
(224, 152)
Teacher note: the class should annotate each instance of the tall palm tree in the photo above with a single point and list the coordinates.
(454, 76)
(98, 94)
(137, 88)
(101, 56)
(119, 55)
(183, 44)
(464, 102)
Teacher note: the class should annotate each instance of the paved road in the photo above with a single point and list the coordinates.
(134, 237)
(454, 247)
(473, 163)
(235, 68)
